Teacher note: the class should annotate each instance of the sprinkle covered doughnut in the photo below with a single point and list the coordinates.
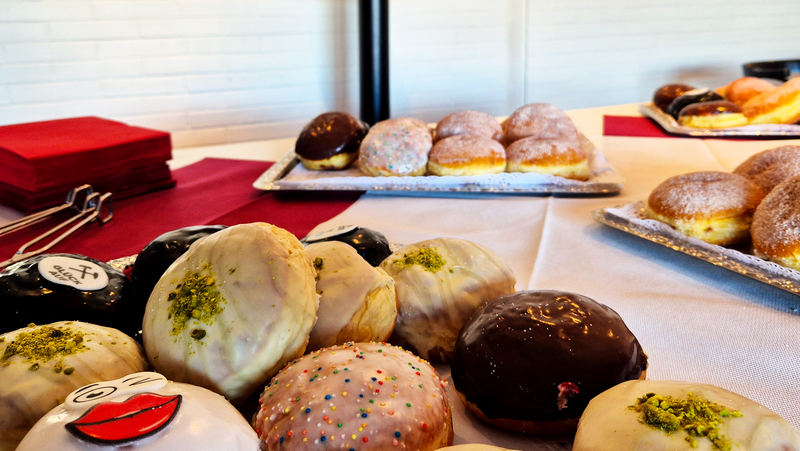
(396, 147)
(468, 122)
(776, 225)
(364, 396)
(540, 120)
(716, 207)
(769, 168)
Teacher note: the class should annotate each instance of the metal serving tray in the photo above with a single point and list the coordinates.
(289, 174)
(669, 124)
(632, 218)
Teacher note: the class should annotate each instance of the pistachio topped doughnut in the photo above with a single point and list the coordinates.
(364, 396)
(680, 416)
(716, 207)
(232, 310)
(396, 147)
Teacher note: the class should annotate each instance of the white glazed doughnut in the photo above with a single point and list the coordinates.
(396, 147)
(142, 411)
(41, 365)
(614, 420)
(367, 396)
(232, 310)
(357, 301)
(439, 284)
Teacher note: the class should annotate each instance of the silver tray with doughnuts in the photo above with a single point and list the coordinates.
(288, 174)
(669, 124)
(632, 218)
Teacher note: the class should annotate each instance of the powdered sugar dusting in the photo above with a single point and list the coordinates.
(540, 120)
(704, 194)
(462, 149)
(776, 223)
(469, 122)
(532, 150)
(769, 168)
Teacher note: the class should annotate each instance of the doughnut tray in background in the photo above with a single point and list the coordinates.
(669, 124)
(289, 174)
(632, 218)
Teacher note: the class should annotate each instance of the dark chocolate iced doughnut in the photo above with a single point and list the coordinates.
(666, 94)
(330, 141)
(157, 256)
(690, 97)
(67, 287)
(372, 246)
(531, 361)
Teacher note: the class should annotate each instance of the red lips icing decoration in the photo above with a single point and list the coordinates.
(115, 423)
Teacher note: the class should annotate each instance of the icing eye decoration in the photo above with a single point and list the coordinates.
(116, 423)
(96, 393)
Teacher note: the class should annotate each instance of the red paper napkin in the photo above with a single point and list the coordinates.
(41, 155)
(633, 126)
(213, 191)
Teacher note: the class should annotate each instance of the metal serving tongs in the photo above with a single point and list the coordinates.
(92, 210)
(81, 192)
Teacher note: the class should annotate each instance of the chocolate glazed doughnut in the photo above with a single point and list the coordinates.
(531, 361)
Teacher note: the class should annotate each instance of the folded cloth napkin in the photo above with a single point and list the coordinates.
(212, 191)
(43, 155)
(129, 183)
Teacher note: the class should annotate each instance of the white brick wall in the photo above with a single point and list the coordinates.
(214, 71)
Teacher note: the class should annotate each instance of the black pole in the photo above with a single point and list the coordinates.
(374, 51)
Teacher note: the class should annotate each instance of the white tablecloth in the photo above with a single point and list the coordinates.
(697, 322)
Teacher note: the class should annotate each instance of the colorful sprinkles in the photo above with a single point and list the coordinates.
(378, 425)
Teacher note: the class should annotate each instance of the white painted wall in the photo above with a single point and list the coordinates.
(215, 71)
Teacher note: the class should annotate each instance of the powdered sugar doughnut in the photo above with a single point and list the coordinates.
(542, 121)
(142, 411)
(396, 147)
(467, 155)
(769, 168)
(776, 225)
(232, 310)
(716, 207)
(564, 158)
(468, 122)
(364, 396)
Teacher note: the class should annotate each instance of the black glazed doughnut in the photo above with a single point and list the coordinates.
(531, 361)
(67, 287)
(372, 246)
(666, 94)
(330, 141)
(690, 97)
(159, 254)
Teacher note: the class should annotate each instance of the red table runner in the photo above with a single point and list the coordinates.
(633, 126)
(212, 191)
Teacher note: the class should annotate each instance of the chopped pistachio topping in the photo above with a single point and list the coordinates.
(198, 334)
(318, 263)
(195, 298)
(697, 416)
(426, 257)
(43, 344)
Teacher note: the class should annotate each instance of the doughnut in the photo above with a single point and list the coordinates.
(142, 411)
(468, 122)
(542, 121)
(548, 156)
(439, 284)
(656, 415)
(694, 96)
(396, 147)
(741, 90)
(776, 225)
(364, 396)
(769, 168)
(63, 287)
(232, 310)
(330, 141)
(778, 106)
(155, 258)
(357, 301)
(531, 361)
(473, 447)
(666, 94)
(41, 365)
(467, 155)
(372, 246)
(716, 207)
(714, 114)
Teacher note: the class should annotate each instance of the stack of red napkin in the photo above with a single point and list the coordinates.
(41, 161)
